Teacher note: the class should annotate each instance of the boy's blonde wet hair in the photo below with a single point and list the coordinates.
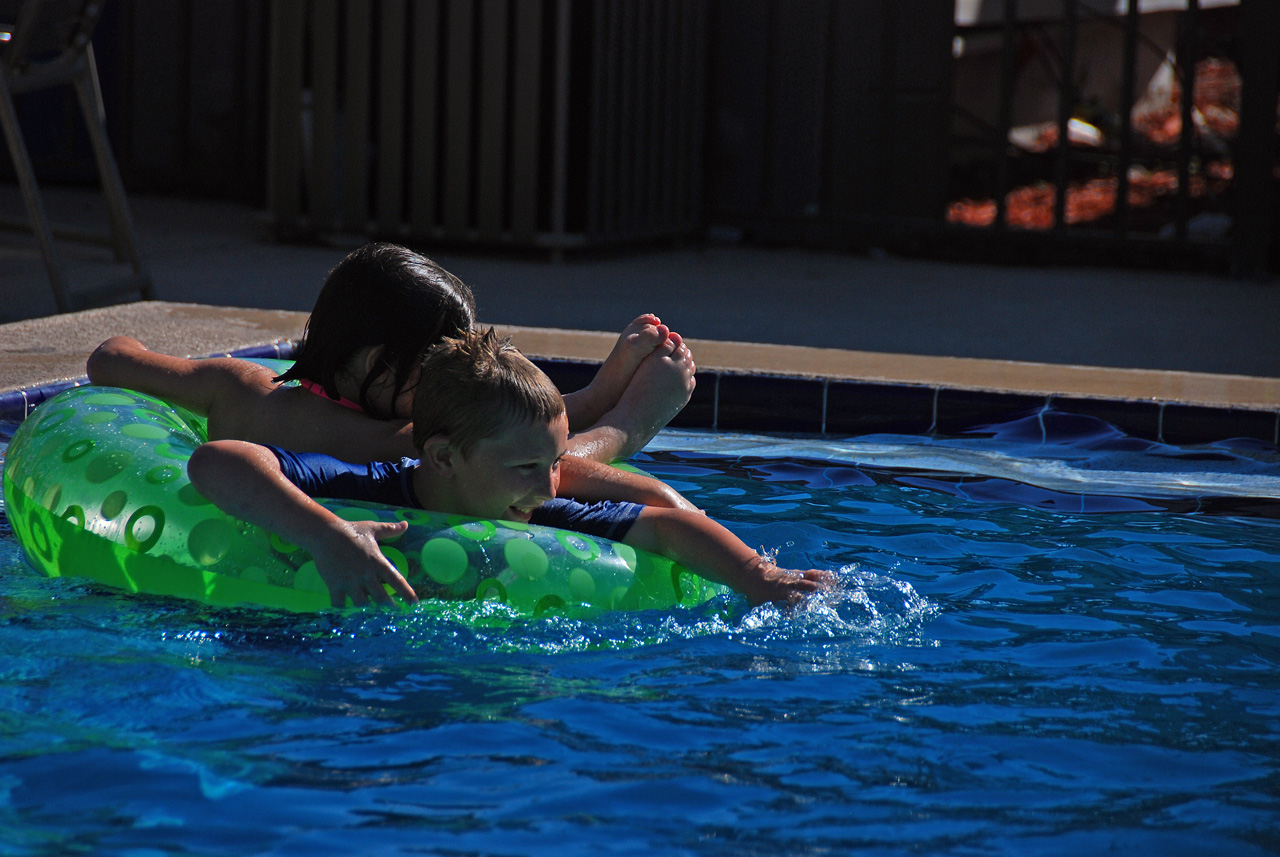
(475, 385)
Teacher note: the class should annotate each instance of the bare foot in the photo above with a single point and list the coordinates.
(659, 389)
(636, 342)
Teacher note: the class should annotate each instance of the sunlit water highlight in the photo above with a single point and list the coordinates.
(1009, 666)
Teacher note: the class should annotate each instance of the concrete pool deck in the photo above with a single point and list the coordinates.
(1126, 335)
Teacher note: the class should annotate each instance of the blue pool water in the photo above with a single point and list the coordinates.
(1071, 649)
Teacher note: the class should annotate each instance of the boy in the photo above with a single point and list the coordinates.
(491, 432)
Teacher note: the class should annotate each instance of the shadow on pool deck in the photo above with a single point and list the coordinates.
(220, 254)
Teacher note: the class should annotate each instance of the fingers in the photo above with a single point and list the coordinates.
(385, 531)
(363, 576)
(399, 584)
(792, 587)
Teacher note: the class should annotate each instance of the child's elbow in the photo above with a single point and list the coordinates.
(207, 459)
(669, 497)
(105, 358)
(211, 462)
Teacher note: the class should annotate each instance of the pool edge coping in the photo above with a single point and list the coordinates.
(755, 386)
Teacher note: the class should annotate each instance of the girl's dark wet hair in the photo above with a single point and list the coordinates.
(380, 295)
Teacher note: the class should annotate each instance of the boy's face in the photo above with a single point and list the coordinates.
(510, 474)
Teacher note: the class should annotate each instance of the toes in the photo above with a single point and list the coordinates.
(667, 347)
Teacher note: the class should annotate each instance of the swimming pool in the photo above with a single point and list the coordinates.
(1051, 639)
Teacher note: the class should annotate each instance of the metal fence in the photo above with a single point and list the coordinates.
(1161, 145)
(533, 123)
(554, 124)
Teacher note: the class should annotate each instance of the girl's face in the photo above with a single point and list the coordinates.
(386, 400)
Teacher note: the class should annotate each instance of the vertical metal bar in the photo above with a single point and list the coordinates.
(1254, 231)
(608, 62)
(695, 109)
(424, 115)
(356, 91)
(1066, 104)
(491, 167)
(560, 155)
(458, 166)
(678, 91)
(679, 131)
(1008, 67)
(525, 124)
(322, 169)
(655, 92)
(596, 115)
(284, 143)
(1127, 83)
(647, 39)
(628, 112)
(1187, 50)
(391, 118)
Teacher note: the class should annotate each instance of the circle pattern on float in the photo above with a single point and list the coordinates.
(578, 545)
(163, 473)
(53, 420)
(180, 452)
(113, 504)
(444, 560)
(491, 589)
(477, 531)
(77, 450)
(74, 514)
(210, 541)
(99, 417)
(582, 584)
(144, 431)
(526, 558)
(144, 528)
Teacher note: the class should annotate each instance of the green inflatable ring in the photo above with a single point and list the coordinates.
(95, 486)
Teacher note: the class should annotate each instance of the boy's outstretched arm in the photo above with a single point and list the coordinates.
(711, 550)
(587, 481)
(245, 481)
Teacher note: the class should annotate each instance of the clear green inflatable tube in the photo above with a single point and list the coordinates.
(95, 486)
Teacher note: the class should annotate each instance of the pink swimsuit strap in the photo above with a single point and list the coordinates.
(313, 387)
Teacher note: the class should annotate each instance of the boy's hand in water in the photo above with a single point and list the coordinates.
(352, 566)
(765, 581)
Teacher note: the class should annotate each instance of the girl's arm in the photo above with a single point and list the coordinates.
(242, 402)
(712, 551)
(196, 385)
(588, 481)
(245, 481)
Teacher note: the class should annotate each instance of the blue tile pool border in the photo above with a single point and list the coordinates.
(744, 401)
(763, 402)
